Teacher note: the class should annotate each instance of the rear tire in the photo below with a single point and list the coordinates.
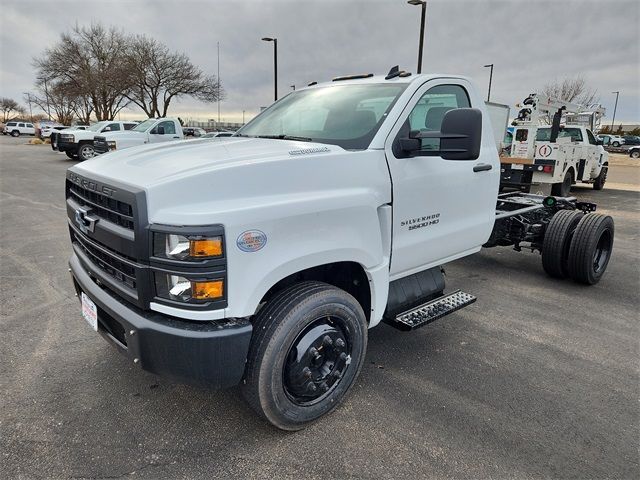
(563, 189)
(616, 144)
(635, 154)
(601, 179)
(557, 241)
(307, 349)
(591, 248)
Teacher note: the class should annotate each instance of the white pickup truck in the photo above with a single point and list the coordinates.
(152, 130)
(78, 142)
(263, 259)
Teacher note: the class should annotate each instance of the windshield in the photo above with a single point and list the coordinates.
(144, 126)
(96, 126)
(345, 115)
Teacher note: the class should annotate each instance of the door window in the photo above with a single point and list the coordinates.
(113, 127)
(30, 125)
(129, 126)
(169, 128)
(428, 113)
(21, 125)
(592, 139)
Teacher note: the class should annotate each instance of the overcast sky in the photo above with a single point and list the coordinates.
(530, 42)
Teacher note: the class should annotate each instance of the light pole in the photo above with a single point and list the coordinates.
(275, 65)
(242, 117)
(614, 111)
(490, 78)
(218, 86)
(293, 87)
(423, 4)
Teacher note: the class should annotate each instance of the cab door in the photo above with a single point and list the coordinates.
(163, 132)
(442, 209)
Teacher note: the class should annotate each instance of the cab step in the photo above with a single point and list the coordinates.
(433, 310)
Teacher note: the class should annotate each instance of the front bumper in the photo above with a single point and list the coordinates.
(204, 353)
(67, 146)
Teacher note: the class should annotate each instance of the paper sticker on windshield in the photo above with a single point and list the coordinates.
(251, 240)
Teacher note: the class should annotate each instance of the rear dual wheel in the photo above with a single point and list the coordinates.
(591, 248)
(307, 349)
(578, 246)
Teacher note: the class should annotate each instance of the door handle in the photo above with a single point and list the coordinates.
(481, 167)
(176, 137)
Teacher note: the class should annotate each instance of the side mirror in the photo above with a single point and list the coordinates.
(460, 136)
(160, 130)
(599, 142)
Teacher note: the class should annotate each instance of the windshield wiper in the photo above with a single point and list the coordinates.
(286, 137)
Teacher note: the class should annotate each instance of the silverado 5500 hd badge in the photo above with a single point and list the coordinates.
(421, 222)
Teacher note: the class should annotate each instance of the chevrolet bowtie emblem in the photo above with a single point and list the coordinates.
(85, 219)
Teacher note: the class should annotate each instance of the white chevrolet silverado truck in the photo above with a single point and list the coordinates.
(78, 142)
(152, 130)
(263, 259)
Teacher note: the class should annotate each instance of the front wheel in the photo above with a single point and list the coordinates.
(15, 133)
(635, 154)
(70, 154)
(307, 349)
(563, 189)
(86, 151)
(616, 144)
(600, 180)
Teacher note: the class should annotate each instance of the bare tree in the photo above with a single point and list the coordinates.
(89, 62)
(572, 90)
(9, 108)
(158, 76)
(55, 98)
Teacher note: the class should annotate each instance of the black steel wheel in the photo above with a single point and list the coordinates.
(601, 179)
(563, 189)
(591, 248)
(557, 240)
(307, 349)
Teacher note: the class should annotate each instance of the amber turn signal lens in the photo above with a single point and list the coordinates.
(207, 247)
(207, 290)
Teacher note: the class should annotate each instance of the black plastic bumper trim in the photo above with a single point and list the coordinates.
(212, 353)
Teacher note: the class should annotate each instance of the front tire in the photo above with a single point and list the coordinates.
(591, 248)
(86, 152)
(71, 154)
(307, 349)
(635, 154)
(616, 144)
(15, 133)
(557, 241)
(601, 179)
(563, 189)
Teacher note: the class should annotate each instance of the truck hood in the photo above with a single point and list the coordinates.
(155, 164)
(127, 134)
(188, 182)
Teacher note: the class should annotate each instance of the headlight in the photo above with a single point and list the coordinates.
(181, 289)
(186, 248)
(111, 144)
(67, 137)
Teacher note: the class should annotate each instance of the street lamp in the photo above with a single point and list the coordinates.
(614, 111)
(275, 65)
(490, 78)
(423, 4)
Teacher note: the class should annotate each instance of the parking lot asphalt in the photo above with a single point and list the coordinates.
(538, 378)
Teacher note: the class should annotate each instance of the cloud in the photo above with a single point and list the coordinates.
(530, 43)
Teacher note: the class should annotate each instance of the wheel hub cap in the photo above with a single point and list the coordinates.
(316, 362)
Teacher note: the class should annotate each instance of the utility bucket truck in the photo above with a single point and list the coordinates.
(264, 258)
(558, 155)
